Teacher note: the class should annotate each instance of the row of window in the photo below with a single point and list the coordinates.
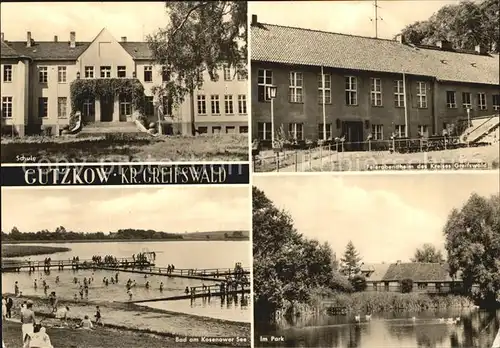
(62, 107)
(296, 91)
(105, 72)
(229, 75)
(296, 131)
(125, 106)
(451, 100)
(228, 129)
(228, 104)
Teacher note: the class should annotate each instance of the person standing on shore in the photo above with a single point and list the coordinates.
(16, 289)
(27, 320)
(35, 285)
(10, 304)
(98, 320)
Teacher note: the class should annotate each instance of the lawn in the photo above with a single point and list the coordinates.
(100, 337)
(16, 250)
(126, 148)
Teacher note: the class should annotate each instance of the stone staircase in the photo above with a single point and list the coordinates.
(481, 128)
(101, 128)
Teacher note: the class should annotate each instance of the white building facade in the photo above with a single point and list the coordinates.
(36, 79)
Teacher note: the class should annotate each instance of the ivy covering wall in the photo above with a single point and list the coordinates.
(83, 89)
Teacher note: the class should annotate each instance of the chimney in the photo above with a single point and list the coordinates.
(72, 39)
(2, 38)
(444, 45)
(400, 38)
(124, 39)
(254, 20)
(28, 39)
(481, 49)
(55, 38)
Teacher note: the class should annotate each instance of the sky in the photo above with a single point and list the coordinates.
(47, 19)
(92, 209)
(348, 17)
(136, 19)
(386, 216)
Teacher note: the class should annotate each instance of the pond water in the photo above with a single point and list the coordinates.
(476, 329)
(182, 254)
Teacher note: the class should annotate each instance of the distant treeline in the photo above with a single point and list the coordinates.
(61, 233)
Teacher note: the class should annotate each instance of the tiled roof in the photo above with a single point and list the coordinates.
(375, 272)
(7, 52)
(49, 50)
(423, 272)
(288, 45)
(138, 50)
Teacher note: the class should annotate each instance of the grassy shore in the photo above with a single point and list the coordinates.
(227, 147)
(101, 337)
(137, 321)
(16, 250)
(373, 302)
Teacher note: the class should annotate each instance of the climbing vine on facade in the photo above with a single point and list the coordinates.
(83, 89)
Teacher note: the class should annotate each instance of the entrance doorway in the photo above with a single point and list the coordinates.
(107, 109)
(353, 131)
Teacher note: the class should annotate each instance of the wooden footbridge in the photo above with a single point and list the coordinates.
(209, 274)
(204, 292)
(124, 265)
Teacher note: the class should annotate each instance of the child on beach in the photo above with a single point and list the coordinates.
(98, 316)
(86, 323)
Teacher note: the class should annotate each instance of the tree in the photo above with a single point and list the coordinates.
(428, 253)
(287, 267)
(202, 36)
(473, 245)
(350, 262)
(465, 25)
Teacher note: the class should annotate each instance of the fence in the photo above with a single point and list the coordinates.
(345, 156)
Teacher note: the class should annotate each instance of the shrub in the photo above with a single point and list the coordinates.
(406, 285)
(358, 283)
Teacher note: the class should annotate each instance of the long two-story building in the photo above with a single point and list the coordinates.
(354, 86)
(36, 79)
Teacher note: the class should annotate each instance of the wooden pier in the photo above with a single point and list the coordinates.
(34, 266)
(209, 274)
(201, 292)
(124, 265)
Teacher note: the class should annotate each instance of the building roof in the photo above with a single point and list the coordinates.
(375, 272)
(138, 50)
(7, 52)
(418, 272)
(297, 46)
(51, 50)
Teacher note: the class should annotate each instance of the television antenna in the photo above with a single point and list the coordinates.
(376, 18)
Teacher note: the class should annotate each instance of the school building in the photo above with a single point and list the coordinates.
(36, 77)
(356, 87)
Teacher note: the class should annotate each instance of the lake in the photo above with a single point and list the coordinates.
(476, 329)
(183, 254)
